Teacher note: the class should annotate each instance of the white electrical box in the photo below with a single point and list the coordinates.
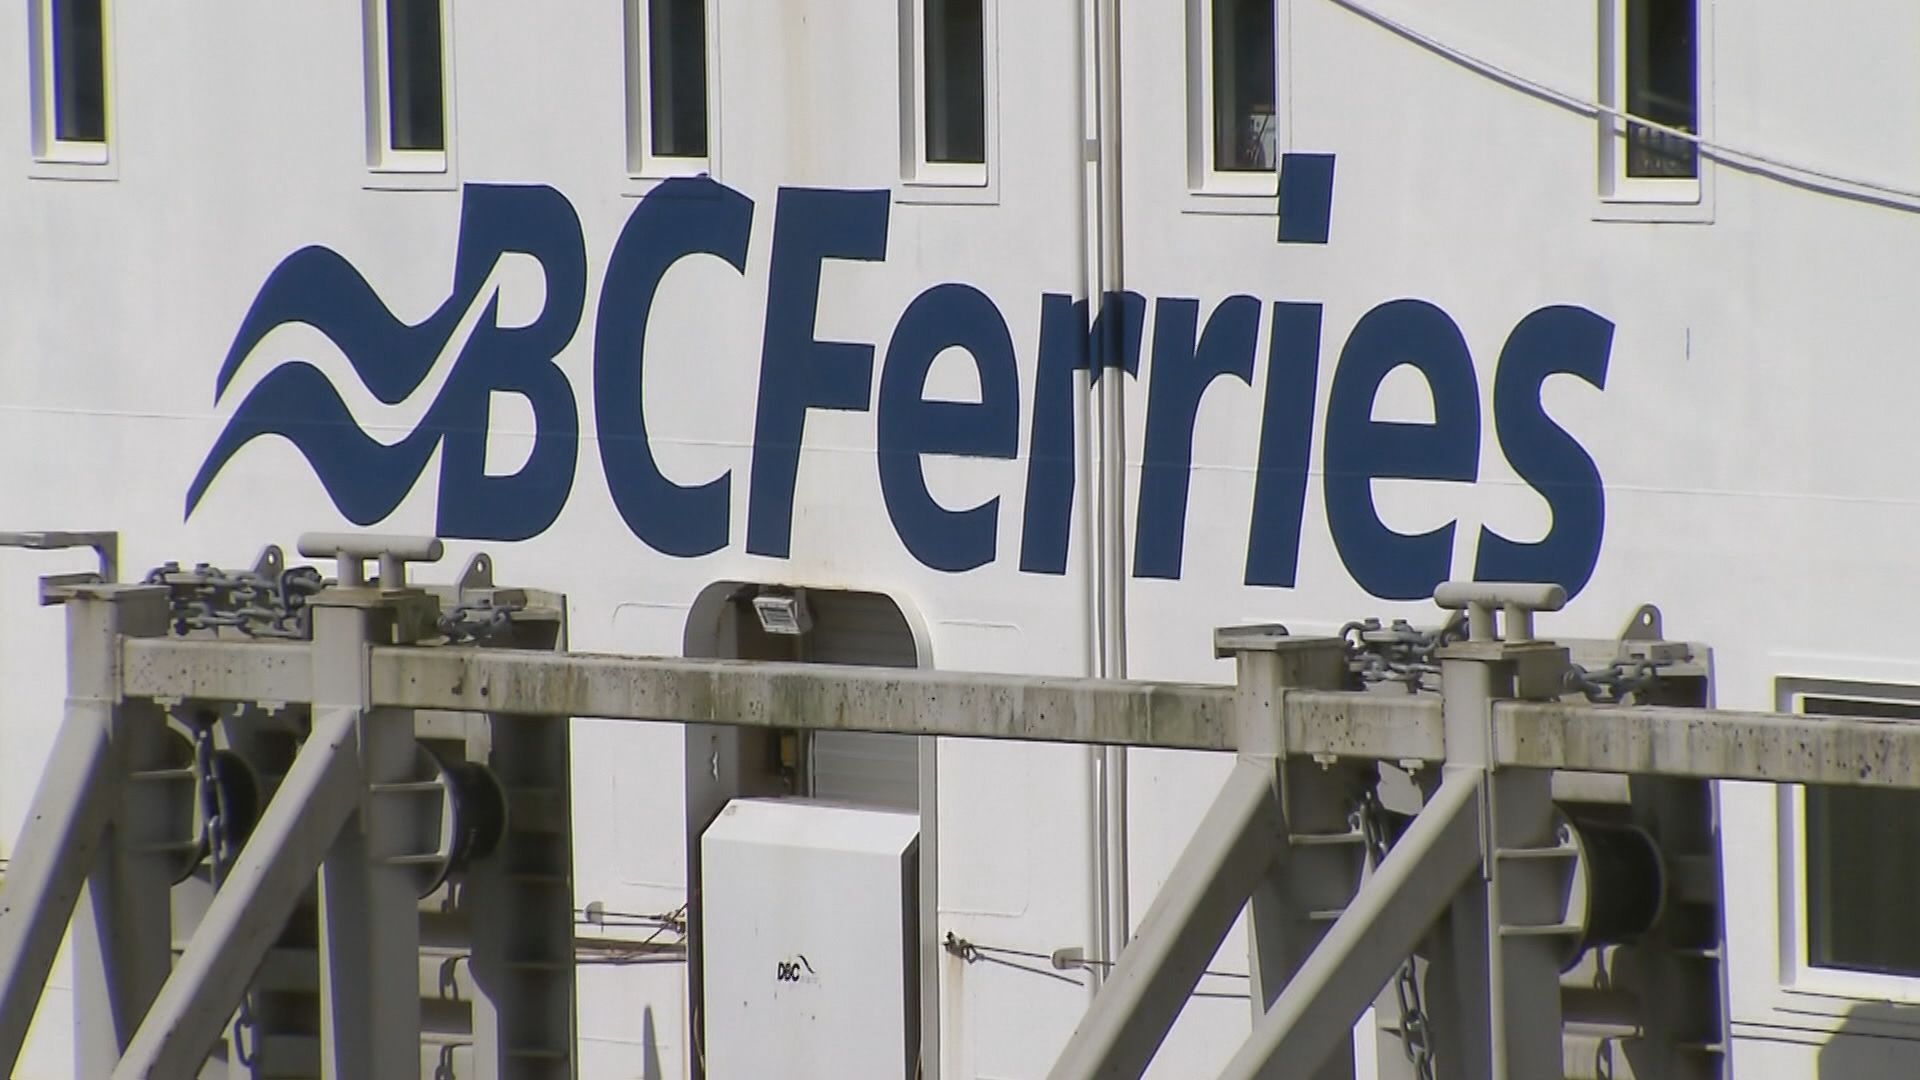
(809, 940)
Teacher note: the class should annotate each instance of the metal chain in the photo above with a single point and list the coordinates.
(208, 598)
(216, 813)
(1416, 1034)
(1399, 652)
(1416, 1037)
(1615, 683)
(465, 624)
(246, 601)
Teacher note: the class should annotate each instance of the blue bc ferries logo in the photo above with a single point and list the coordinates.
(398, 362)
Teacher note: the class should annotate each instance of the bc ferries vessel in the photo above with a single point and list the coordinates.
(1030, 339)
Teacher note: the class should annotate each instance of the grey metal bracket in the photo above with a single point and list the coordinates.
(54, 588)
(414, 612)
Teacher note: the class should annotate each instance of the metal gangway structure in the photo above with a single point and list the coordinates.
(1553, 885)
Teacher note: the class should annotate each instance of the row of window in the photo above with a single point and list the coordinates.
(1652, 73)
(1237, 130)
(407, 95)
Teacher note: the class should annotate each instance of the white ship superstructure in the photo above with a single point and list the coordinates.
(1017, 338)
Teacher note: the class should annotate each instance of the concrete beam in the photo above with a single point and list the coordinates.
(272, 671)
(1707, 744)
(814, 696)
(1391, 727)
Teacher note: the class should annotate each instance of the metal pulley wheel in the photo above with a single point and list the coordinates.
(219, 798)
(1620, 884)
(473, 816)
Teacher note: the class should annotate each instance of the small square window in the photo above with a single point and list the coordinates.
(1235, 115)
(70, 86)
(947, 106)
(668, 110)
(1652, 71)
(407, 88)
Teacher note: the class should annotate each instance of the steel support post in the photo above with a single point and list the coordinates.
(123, 927)
(519, 897)
(1205, 891)
(77, 797)
(1494, 985)
(369, 892)
(275, 867)
(521, 903)
(1321, 855)
(1388, 916)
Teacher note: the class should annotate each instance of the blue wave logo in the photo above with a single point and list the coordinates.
(374, 398)
(395, 363)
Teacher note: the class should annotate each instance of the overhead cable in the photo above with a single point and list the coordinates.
(1752, 160)
(974, 953)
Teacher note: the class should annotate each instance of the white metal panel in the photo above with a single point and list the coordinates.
(810, 923)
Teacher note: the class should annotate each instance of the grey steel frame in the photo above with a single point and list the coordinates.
(1478, 860)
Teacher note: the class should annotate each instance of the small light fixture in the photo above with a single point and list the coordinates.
(783, 613)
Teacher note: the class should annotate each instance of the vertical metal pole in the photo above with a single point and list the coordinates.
(1315, 878)
(927, 915)
(1461, 994)
(72, 807)
(122, 928)
(1114, 916)
(369, 903)
(1497, 1008)
(1292, 907)
(521, 903)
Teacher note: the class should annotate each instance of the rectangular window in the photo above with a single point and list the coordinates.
(667, 74)
(1662, 81)
(69, 65)
(79, 71)
(1653, 70)
(416, 99)
(1862, 863)
(955, 54)
(947, 107)
(1243, 86)
(1235, 124)
(407, 91)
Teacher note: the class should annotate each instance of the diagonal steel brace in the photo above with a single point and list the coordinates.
(70, 812)
(1387, 918)
(1235, 843)
(321, 790)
